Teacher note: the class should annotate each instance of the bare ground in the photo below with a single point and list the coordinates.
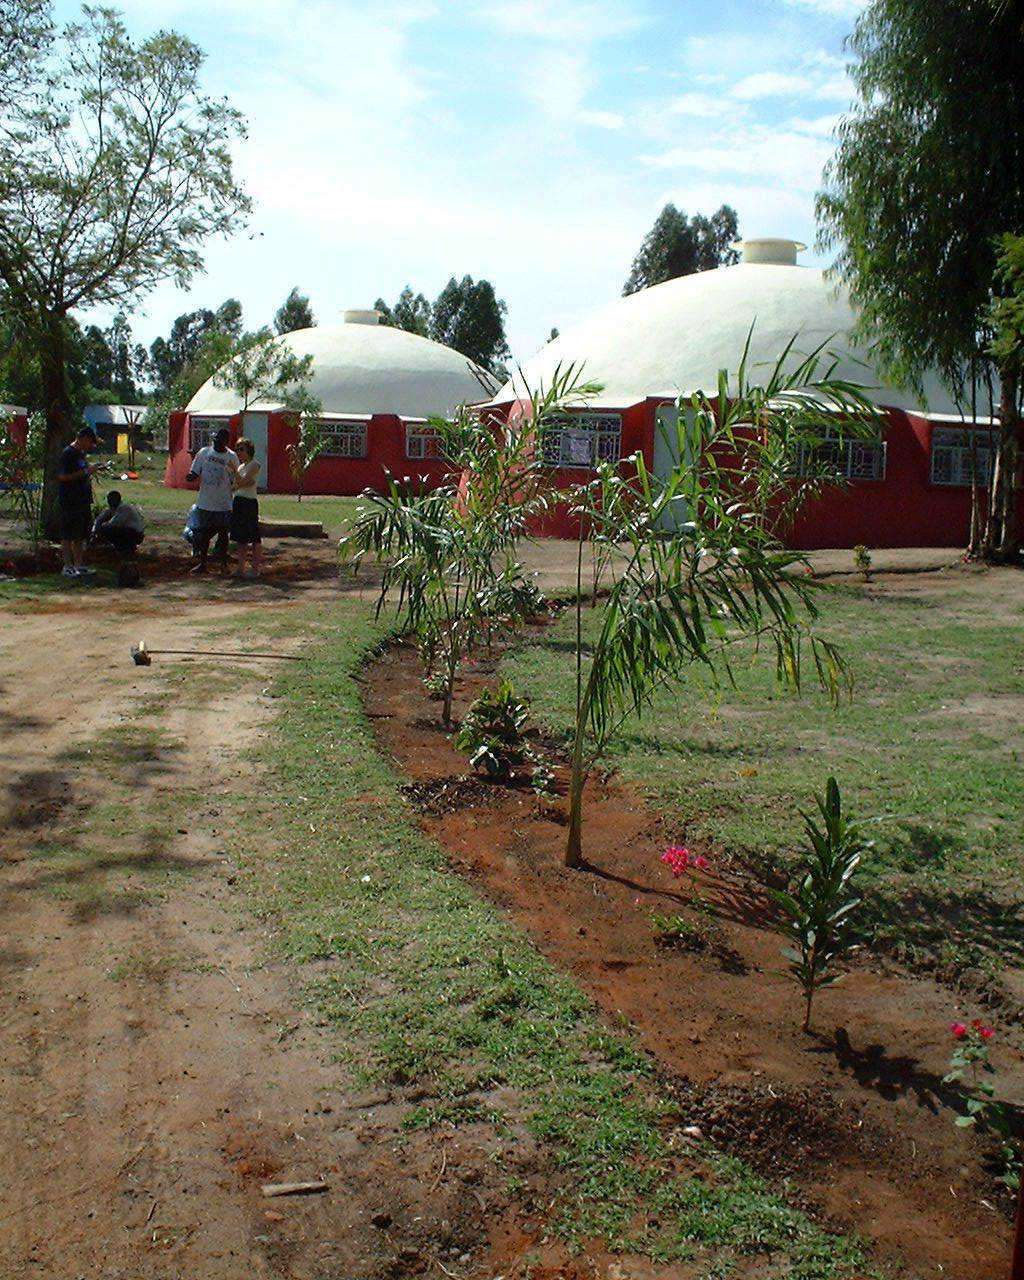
(155, 1067)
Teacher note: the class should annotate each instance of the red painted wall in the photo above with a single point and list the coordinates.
(16, 427)
(385, 452)
(903, 510)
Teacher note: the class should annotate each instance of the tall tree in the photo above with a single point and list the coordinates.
(26, 29)
(294, 313)
(172, 358)
(411, 312)
(679, 246)
(470, 318)
(115, 168)
(928, 172)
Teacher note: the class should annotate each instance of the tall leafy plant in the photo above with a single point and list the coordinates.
(702, 566)
(817, 910)
(448, 556)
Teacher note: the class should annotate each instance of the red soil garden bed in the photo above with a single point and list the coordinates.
(853, 1121)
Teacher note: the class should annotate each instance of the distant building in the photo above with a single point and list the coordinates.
(112, 420)
(910, 488)
(378, 387)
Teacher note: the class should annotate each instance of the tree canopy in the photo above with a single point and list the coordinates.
(411, 312)
(469, 317)
(680, 246)
(929, 171)
(294, 313)
(115, 168)
(173, 358)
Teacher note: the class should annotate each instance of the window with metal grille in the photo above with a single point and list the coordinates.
(421, 441)
(342, 440)
(582, 440)
(953, 460)
(851, 459)
(201, 432)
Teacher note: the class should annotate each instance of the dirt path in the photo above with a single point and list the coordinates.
(154, 1068)
(855, 1118)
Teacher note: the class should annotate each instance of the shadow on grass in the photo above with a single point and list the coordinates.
(931, 920)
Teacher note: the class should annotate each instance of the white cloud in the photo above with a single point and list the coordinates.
(569, 22)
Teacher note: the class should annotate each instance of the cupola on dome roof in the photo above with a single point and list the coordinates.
(672, 339)
(363, 367)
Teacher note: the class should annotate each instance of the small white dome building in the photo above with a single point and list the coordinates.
(912, 488)
(377, 385)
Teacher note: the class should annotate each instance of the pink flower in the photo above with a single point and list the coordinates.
(986, 1033)
(700, 862)
(636, 902)
(959, 1030)
(677, 859)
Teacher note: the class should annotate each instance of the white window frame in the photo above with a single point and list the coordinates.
(859, 461)
(343, 438)
(951, 464)
(201, 430)
(605, 440)
(422, 441)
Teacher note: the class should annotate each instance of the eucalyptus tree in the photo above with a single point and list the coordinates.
(928, 171)
(115, 169)
(678, 246)
(701, 566)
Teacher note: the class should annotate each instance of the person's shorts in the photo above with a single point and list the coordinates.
(214, 521)
(245, 522)
(75, 523)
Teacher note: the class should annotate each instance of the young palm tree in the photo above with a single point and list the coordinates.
(449, 555)
(702, 564)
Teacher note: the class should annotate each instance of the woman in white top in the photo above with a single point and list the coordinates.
(245, 510)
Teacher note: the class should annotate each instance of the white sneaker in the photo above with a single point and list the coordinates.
(85, 572)
(69, 572)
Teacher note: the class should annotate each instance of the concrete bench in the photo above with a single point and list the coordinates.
(292, 529)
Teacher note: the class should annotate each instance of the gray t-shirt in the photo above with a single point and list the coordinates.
(214, 471)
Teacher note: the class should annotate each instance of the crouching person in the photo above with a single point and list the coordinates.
(121, 526)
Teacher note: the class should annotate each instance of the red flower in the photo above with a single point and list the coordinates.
(959, 1030)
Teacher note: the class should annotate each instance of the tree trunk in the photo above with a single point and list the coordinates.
(574, 840)
(1009, 426)
(58, 413)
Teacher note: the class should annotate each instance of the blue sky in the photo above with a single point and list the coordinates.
(532, 142)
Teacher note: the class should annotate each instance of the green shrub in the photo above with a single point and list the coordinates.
(492, 731)
(817, 910)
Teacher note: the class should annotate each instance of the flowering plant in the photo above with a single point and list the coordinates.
(971, 1068)
(680, 860)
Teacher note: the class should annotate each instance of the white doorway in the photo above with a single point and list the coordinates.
(254, 425)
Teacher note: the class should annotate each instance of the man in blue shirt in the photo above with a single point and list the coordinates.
(74, 500)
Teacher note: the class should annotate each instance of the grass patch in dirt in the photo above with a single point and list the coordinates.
(931, 745)
(433, 992)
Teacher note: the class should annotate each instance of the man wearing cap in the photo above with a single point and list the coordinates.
(74, 500)
(214, 467)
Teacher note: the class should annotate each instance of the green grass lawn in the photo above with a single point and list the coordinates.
(931, 745)
(426, 985)
(163, 506)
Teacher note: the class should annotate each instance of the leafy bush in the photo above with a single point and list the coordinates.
(21, 478)
(492, 731)
(862, 559)
(817, 911)
(970, 1067)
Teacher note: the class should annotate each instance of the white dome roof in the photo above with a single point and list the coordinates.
(673, 338)
(361, 367)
